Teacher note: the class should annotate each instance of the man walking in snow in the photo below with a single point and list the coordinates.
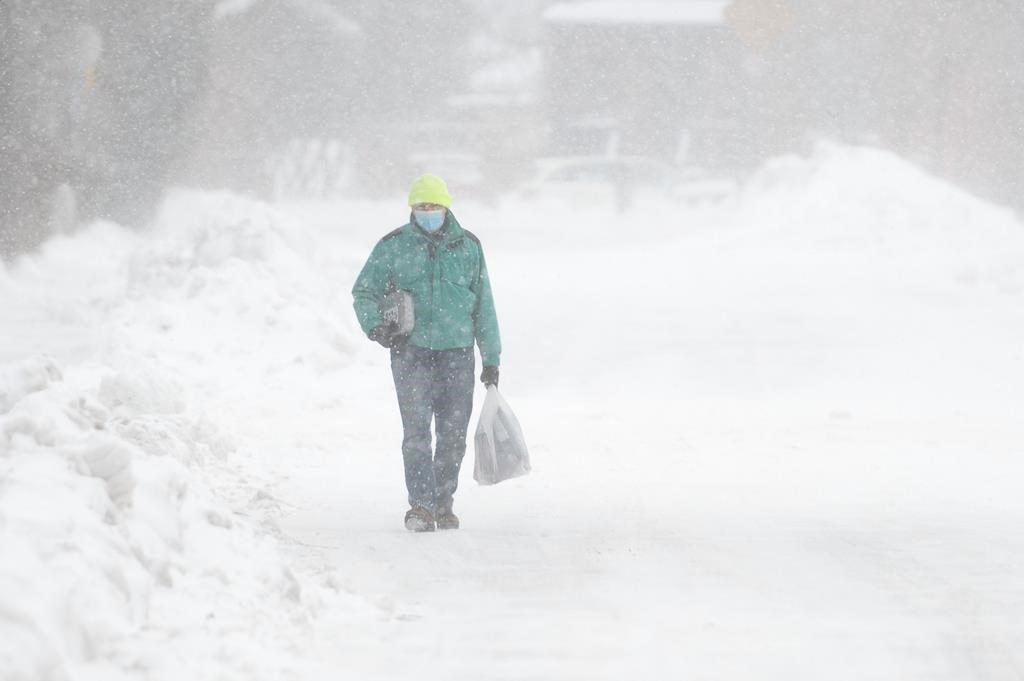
(441, 265)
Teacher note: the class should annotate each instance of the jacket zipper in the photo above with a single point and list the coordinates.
(432, 252)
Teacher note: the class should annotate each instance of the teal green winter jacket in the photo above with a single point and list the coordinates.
(447, 277)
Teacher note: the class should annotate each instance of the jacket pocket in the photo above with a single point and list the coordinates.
(457, 269)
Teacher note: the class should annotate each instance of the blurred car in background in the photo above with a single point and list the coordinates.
(620, 180)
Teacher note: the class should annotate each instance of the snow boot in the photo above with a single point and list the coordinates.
(446, 519)
(419, 519)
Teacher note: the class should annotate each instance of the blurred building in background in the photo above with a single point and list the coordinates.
(102, 104)
(95, 99)
(938, 81)
(600, 96)
(278, 102)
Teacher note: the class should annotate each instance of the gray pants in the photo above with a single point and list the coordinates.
(433, 385)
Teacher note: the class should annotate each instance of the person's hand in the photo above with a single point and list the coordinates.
(489, 376)
(384, 334)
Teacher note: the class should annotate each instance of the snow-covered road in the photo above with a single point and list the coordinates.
(774, 438)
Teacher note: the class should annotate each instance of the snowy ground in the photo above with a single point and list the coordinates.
(776, 437)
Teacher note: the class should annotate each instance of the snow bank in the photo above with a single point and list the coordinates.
(28, 377)
(137, 539)
(234, 280)
(117, 555)
(851, 196)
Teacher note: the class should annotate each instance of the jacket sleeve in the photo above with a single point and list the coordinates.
(369, 289)
(485, 319)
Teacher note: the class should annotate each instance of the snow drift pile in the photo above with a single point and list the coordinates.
(233, 286)
(116, 554)
(134, 533)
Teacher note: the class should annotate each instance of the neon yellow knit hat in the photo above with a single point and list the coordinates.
(430, 189)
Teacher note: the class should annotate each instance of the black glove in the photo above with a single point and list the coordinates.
(489, 376)
(384, 334)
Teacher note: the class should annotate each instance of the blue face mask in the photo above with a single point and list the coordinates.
(429, 220)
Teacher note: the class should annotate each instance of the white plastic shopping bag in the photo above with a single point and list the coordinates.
(500, 448)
